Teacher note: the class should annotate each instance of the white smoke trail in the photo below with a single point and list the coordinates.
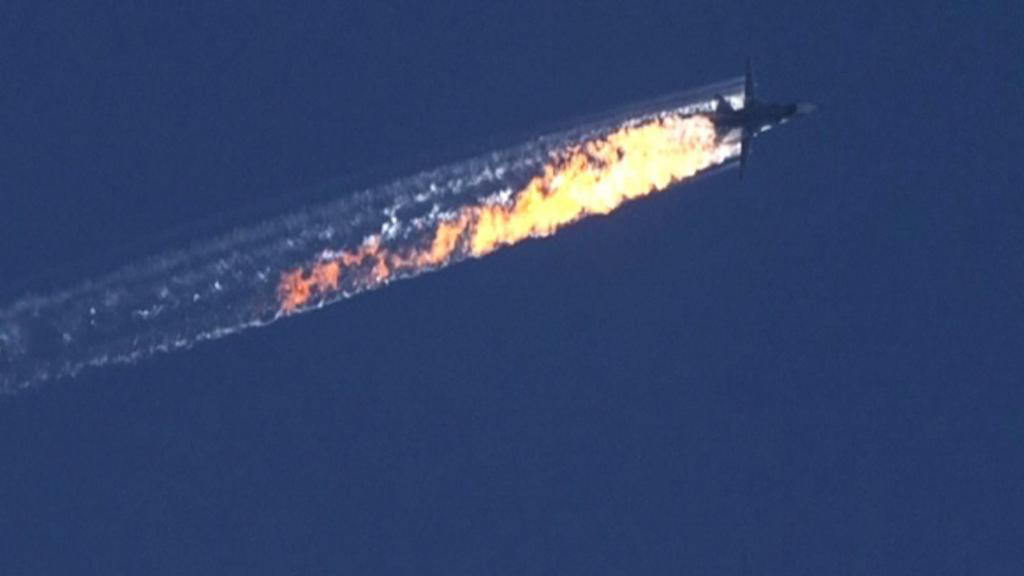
(252, 275)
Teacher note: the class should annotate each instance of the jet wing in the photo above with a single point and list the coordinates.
(744, 152)
(748, 86)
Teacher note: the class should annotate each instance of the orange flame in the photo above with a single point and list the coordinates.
(591, 178)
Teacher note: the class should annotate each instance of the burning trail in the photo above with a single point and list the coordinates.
(593, 177)
(253, 275)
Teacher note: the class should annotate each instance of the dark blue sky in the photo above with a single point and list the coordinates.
(816, 370)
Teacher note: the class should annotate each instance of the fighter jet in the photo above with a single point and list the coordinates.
(754, 117)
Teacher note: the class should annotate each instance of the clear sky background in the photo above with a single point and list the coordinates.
(815, 370)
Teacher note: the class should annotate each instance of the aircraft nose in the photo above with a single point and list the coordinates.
(805, 108)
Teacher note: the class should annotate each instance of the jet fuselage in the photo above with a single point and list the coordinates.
(753, 118)
(756, 117)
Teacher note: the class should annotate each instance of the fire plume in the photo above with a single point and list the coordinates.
(593, 177)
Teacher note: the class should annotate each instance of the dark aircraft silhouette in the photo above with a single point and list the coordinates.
(754, 117)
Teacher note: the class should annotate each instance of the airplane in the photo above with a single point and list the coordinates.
(755, 117)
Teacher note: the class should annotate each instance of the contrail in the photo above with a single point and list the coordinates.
(253, 275)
